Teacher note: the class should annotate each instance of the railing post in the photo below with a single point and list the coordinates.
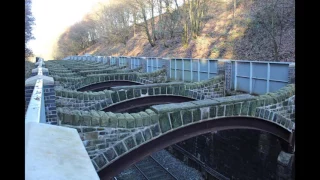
(221, 67)
(227, 75)
(128, 62)
(182, 61)
(167, 66)
(291, 73)
(143, 63)
(250, 80)
(268, 78)
(48, 94)
(108, 62)
(148, 69)
(175, 69)
(235, 75)
(117, 59)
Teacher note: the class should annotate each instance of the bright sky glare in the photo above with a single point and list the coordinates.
(52, 17)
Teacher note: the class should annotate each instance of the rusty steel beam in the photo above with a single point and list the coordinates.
(106, 85)
(127, 105)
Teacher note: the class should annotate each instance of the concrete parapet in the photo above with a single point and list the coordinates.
(53, 152)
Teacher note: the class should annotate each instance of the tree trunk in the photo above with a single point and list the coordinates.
(234, 7)
(134, 23)
(276, 50)
(191, 17)
(152, 22)
(146, 27)
(160, 23)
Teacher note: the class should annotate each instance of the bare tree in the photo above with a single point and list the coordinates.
(172, 17)
(112, 21)
(194, 11)
(274, 18)
(29, 21)
(142, 14)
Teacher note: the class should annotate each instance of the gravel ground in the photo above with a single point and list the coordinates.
(180, 170)
(131, 173)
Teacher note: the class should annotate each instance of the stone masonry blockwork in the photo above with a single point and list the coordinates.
(125, 131)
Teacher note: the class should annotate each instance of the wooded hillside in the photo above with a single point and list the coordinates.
(226, 29)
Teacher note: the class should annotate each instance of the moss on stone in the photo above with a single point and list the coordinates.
(90, 135)
(113, 120)
(102, 95)
(266, 114)
(100, 161)
(275, 97)
(236, 109)
(153, 116)
(130, 120)
(130, 93)
(257, 112)
(86, 118)
(129, 142)
(182, 90)
(145, 118)
(115, 97)
(155, 130)
(150, 91)
(67, 118)
(260, 102)
(144, 91)
(77, 118)
(176, 90)
(85, 96)
(252, 107)
(130, 77)
(175, 119)
(220, 110)
(95, 79)
(268, 99)
(205, 112)
(101, 146)
(126, 77)
(156, 90)
(60, 113)
(164, 122)
(229, 110)
(122, 95)
(116, 77)
(138, 119)
(122, 123)
(137, 93)
(119, 147)
(245, 108)
(163, 90)
(196, 114)
(139, 138)
(64, 93)
(69, 94)
(261, 114)
(107, 93)
(95, 121)
(147, 134)
(104, 119)
(213, 111)
(169, 90)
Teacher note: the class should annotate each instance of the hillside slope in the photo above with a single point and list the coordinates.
(222, 36)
